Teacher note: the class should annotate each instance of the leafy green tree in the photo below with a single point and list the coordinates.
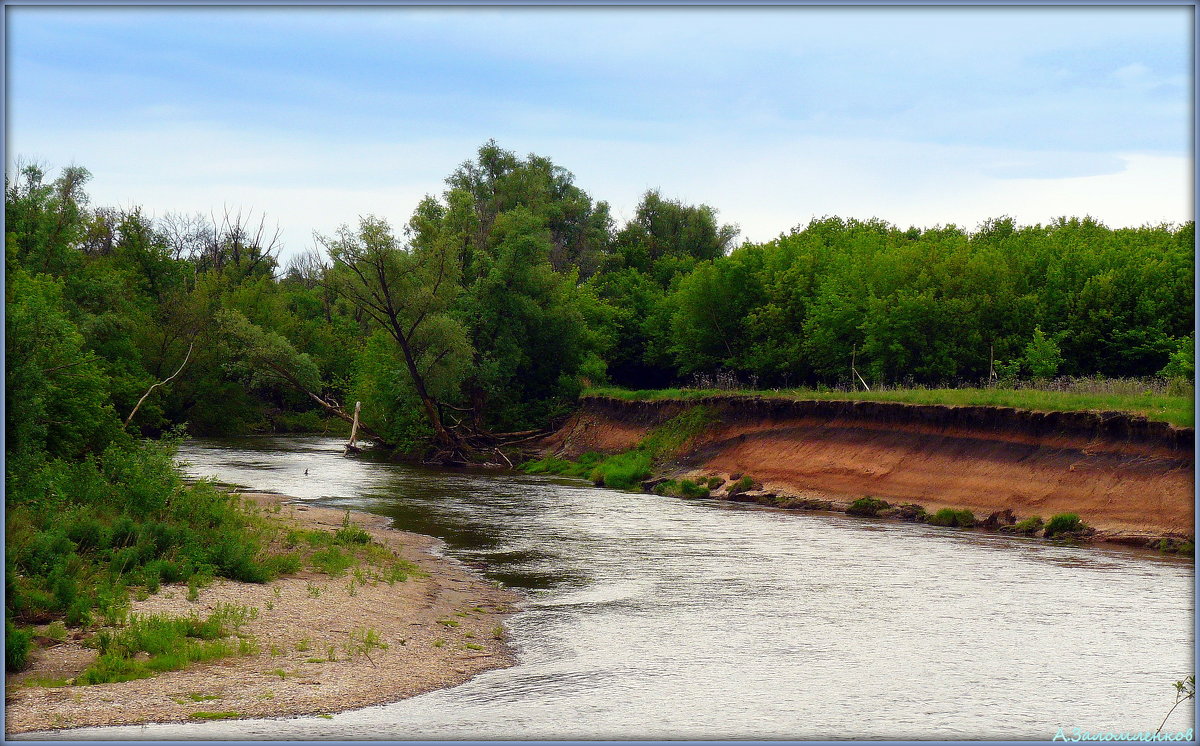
(56, 397)
(408, 291)
(528, 327)
(1042, 356)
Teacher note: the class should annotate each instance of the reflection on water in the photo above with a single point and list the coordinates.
(653, 617)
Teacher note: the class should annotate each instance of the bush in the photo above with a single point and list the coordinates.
(868, 507)
(350, 533)
(743, 484)
(950, 517)
(1028, 526)
(623, 471)
(682, 488)
(331, 561)
(154, 644)
(1064, 523)
(17, 642)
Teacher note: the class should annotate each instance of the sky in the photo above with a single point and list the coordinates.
(773, 116)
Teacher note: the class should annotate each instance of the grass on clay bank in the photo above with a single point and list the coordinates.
(1166, 401)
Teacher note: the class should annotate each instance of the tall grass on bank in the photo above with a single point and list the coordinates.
(80, 534)
(627, 470)
(1157, 399)
(149, 645)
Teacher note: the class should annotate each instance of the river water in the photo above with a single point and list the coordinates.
(658, 618)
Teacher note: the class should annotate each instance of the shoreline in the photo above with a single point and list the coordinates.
(441, 628)
(1129, 479)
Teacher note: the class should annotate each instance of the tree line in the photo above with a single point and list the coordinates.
(481, 319)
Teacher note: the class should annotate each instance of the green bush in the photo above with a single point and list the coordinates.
(17, 642)
(743, 484)
(331, 561)
(869, 507)
(1028, 526)
(1063, 523)
(950, 517)
(562, 467)
(623, 471)
(350, 533)
(681, 488)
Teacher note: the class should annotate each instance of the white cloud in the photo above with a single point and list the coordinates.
(766, 187)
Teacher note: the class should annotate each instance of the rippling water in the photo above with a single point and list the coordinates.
(654, 617)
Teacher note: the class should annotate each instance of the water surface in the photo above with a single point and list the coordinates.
(660, 618)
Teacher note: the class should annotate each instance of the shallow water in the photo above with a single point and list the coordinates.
(659, 618)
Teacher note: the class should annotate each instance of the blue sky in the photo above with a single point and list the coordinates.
(772, 115)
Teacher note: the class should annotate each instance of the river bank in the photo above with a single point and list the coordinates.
(441, 626)
(1129, 478)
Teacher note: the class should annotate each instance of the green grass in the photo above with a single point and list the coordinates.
(623, 471)
(1063, 523)
(226, 715)
(868, 507)
(332, 561)
(953, 518)
(154, 644)
(681, 488)
(627, 470)
(1150, 400)
(1028, 526)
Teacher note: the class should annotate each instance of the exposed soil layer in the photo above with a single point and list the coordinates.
(1130, 478)
(441, 628)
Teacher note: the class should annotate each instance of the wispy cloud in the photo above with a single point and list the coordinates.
(772, 115)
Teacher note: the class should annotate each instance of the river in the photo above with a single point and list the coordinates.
(658, 618)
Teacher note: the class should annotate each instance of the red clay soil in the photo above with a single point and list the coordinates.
(1122, 474)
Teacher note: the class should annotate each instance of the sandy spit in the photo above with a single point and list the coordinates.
(301, 621)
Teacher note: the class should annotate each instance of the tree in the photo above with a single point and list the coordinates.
(664, 229)
(1042, 356)
(408, 292)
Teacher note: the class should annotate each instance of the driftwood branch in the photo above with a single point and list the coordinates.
(166, 380)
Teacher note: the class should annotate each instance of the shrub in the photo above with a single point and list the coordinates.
(1028, 526)
(869, 507)
(17, 642)
(154, 644)
(281, 564)
(1063, 523)
(681, 488)
(331, 561)
(743, 484)
(350, 533)
(623, 471)
(950, 517)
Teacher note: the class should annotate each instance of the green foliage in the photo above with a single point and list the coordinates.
(1182, 363)
(869, 507)
(331, 561)
(583, 467)
(1063, 523)
(350, 533)
(740, 485)
(1156, 402)
(17, 643)
(666, 440)
(152, 644)
(681, 488)
(222, 715)
(952, 518)
(624, 471)
(1028, 526)
(1042, 356)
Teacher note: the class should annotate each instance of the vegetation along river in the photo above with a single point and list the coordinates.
(657, 617)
